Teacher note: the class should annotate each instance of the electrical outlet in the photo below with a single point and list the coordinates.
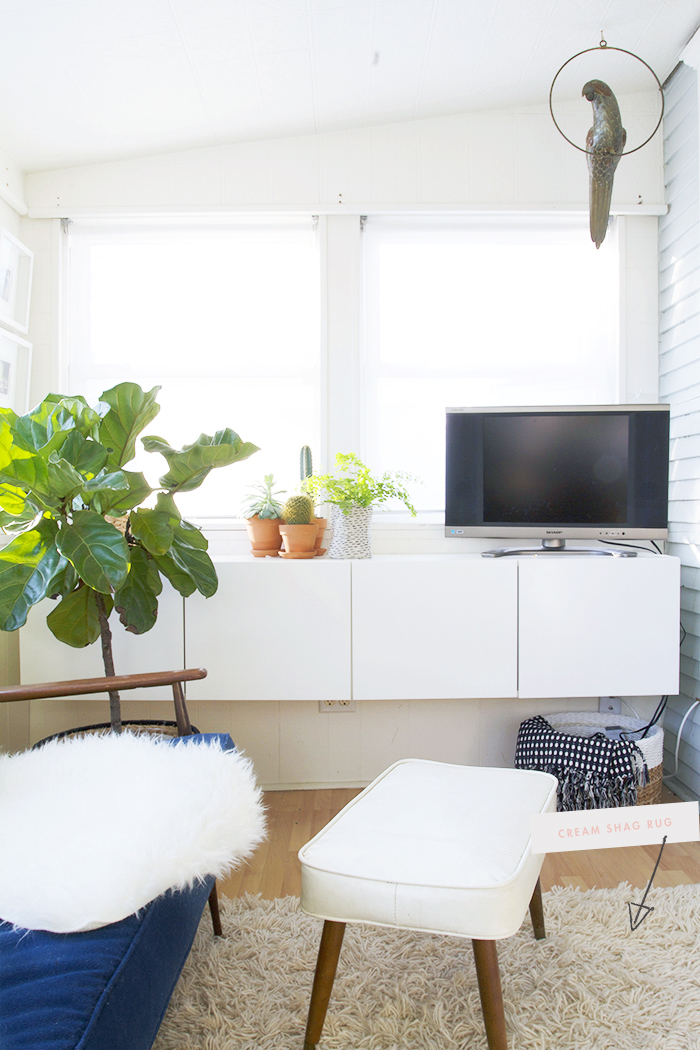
(331, 706)
(609, 705)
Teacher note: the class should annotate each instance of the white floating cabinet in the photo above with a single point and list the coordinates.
(598, 626)
(440, 626)
(276, 629)
(404, 627)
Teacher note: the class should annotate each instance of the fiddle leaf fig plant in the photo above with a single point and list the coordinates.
(80, 532)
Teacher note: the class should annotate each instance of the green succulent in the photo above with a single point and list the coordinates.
(261, 500)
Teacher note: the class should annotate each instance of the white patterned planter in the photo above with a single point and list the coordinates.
(352, 533)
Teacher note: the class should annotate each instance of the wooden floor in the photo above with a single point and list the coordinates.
(295, 816)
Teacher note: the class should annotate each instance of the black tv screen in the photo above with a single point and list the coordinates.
(578, 472)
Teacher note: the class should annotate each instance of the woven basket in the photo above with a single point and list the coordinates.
(149, 726)
(586, 723)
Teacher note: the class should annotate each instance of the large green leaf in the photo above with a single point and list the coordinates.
(14, 500)
(17, 463)
(63, 582)
(100, 492)
(64, 479)
(153, 529)
(28, 564)
(87, 456)
(130, 410)
(30, 473)
(189, 466)
(96, 549)
(181, 580)
(75, 620)
(46, 428)
(9, 416)
(119, 502)
(198, 565)
(191, 536)
(137, 601)
(165, 504)
(12, 523)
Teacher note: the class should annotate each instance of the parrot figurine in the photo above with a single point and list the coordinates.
(605, 142)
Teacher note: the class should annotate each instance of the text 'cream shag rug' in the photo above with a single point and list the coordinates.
(592, 984)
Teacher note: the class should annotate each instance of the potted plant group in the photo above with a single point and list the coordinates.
(263, 514)
(352, 493)
(81, 532)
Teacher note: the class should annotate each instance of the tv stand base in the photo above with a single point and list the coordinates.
(558, 547)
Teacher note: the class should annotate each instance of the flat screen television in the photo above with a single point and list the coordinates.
(557, 473)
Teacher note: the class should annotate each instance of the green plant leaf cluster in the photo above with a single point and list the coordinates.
(354, 486)
(77, 520)
(262, 499)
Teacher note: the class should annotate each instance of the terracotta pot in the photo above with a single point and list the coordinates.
(264, 535)
(321, 522)
(298, 538)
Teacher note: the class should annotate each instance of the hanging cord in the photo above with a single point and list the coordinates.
(661, 707)
(679, 735)
(632, 546)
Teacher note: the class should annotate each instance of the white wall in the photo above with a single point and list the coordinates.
(14, 718)
(508, 160)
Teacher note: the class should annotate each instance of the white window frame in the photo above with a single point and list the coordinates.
(341, 374)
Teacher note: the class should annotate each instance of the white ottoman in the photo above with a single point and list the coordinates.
(433, 847)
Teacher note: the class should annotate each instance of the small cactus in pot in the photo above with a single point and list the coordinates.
(299, 530)
(298, 510)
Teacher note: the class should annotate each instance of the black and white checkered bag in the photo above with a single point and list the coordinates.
(594, 772)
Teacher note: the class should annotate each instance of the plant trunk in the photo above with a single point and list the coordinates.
(115, 711)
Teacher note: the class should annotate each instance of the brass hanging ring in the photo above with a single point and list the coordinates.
(606, 47)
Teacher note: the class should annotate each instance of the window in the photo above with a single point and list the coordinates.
(225, 318)
(480, 312)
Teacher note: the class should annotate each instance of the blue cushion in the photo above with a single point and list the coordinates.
(104, 989)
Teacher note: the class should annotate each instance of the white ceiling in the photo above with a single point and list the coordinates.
(93, 80)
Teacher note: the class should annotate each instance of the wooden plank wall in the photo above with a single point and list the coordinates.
(679, 385)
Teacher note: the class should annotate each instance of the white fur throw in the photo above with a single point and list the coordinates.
(93, 828)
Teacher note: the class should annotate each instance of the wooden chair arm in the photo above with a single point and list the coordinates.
(82, 686)
(115, 683)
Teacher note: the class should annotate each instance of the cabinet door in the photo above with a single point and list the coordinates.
(275, 630)
(595, 626)
(429, 627)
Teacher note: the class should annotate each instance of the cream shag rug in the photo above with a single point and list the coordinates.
(593, 984)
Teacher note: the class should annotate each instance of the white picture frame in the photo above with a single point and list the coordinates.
(15, 372)
(16, 265)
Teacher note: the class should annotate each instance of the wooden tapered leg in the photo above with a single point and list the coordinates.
(214, 909)
(537, 912)
(489, 978)
(326, 965)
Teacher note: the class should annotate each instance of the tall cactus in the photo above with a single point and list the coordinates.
(305, 466)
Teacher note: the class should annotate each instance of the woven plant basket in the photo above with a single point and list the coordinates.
(586, 723)
(150, 726)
